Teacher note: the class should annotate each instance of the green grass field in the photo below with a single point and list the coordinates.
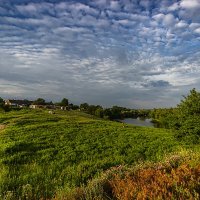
(43, 154)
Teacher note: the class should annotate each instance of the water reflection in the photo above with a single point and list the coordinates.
(139, 122)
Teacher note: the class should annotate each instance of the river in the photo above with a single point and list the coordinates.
(138, 122)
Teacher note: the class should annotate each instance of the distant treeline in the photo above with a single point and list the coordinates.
(115, 112)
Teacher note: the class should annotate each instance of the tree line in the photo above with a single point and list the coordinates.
(115, 112)
(184, 119)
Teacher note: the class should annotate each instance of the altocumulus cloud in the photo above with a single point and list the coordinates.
(130, 53)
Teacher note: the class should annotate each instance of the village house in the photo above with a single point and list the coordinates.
(30, 104)
(17, 103)
(34, 106)
(63, 107)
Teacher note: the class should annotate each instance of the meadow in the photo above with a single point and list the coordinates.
(43, 156)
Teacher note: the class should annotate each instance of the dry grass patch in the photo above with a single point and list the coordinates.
(2, 126)
(182, 182)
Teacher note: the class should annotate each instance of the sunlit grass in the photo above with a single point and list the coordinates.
(42, 154)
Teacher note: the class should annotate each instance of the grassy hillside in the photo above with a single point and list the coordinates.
(44, 154)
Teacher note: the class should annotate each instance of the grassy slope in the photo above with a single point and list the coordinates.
(43, 153)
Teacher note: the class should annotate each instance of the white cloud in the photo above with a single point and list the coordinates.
(145, 3)
(89, 20)
(174, 7)
(100, 3)
(45, 21)
(181, 24)
(169, 20)
(194, 25)
(197, 30)
(114, 5)
(34, 9)
(169, 35)
(27, 8)
(190, 4)
(159, 17)
(125, 22)
(78, 7)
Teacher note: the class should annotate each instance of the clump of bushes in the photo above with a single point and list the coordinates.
(158, 183)
(184, 119)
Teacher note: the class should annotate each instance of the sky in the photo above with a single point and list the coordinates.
(132, 53)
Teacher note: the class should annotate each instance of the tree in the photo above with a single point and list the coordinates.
(189, 116)
(184, 119)
(6, 108)
(84, 106)
(39, 101)
(1, 102)
(99, 112)
(107, 113)
(64, 102)
(74, 107)
(190, 105)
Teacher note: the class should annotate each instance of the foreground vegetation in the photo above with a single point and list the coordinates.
(178, 177)
(44, 154)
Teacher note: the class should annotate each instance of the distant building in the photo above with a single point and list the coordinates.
(37, 106)
(30, 104)
(34, 106)
(18, 103)
(63, 107)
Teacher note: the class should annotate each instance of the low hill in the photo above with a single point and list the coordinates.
(43, 154)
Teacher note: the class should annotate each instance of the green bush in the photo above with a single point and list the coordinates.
(184, 119)
(190, 130)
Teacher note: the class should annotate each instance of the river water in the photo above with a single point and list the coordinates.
(138, 122)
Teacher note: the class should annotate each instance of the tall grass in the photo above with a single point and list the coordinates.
(43, 154)
(178, 177)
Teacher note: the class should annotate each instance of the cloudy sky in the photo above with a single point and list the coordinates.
(133, 53)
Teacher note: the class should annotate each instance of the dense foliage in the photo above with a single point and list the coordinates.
(43, 154)
(115, 112)
(3, 106)
(64, 102)
(185, 118)
(39, 101)
(1, 102)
